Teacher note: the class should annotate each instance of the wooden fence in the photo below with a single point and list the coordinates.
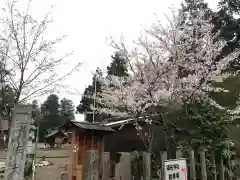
(202, 165)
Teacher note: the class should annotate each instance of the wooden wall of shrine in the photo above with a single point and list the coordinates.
(81, 143)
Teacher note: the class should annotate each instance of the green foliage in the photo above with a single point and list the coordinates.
(67, 109)
(194, 125)
(51, 106)
(228, 25)
(229, 98)
(225, 21)
(118, 67)
(193, 7)
(230, 7)
(7, 95)
(88, 98)
(51, 115)
(137, 165)
(202, 124)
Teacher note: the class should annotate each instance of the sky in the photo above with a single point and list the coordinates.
(88, 24)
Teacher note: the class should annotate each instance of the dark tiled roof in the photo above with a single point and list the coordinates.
(55, 131)
(123, 122)
(92, 126)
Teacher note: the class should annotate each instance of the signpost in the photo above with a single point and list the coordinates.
(18, 142)
(175, 169)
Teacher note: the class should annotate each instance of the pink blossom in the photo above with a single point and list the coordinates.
(170, 65)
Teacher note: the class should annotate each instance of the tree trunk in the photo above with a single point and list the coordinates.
(17, 144)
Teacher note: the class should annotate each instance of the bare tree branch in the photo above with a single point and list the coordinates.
(29, 54)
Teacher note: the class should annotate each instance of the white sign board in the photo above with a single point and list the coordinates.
(175, 169)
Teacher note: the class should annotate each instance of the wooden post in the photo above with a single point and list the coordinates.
(125, 162)
(192, 164)
(118, 169)
(213, 161)
(91, 166)
(163, 158)
(221, 168)
(147, 166)
(17, 144)
(78, 172)
(106, 165)
(230, 173)
(123, 168)
(64, 176)
(72, 157)
(179, 153)
(203, 164)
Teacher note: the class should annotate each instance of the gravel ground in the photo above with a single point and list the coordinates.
(51, 172)
(59, 157)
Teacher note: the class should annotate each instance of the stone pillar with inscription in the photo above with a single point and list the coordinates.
(18, 141)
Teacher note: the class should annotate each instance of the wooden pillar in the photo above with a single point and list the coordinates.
(91, 166)
(72, 157)
(64, 176)
(229, 165)
(203, 164)
(192, 164)
(163, 158)
(147, 166)
(123, 168)
(213, 161)
(102, 158)
(221, 168)
(106, 166)
(118, 169)
(18, 140)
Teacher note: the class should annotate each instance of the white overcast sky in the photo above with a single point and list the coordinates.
(88, 23)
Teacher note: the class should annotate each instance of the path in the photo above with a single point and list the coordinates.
(59, 157)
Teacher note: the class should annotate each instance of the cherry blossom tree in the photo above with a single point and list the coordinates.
(171, 65)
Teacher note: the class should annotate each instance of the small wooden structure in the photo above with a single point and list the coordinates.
(56, 137)
(125, 137)
(87, 149)
(121, 143)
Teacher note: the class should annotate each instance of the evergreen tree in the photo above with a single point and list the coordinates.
(51, 115)
(88, 98)
(230, 7)
(51, 105)
(118, 67)
(225, 21)
(193, 8)
(67, 109)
